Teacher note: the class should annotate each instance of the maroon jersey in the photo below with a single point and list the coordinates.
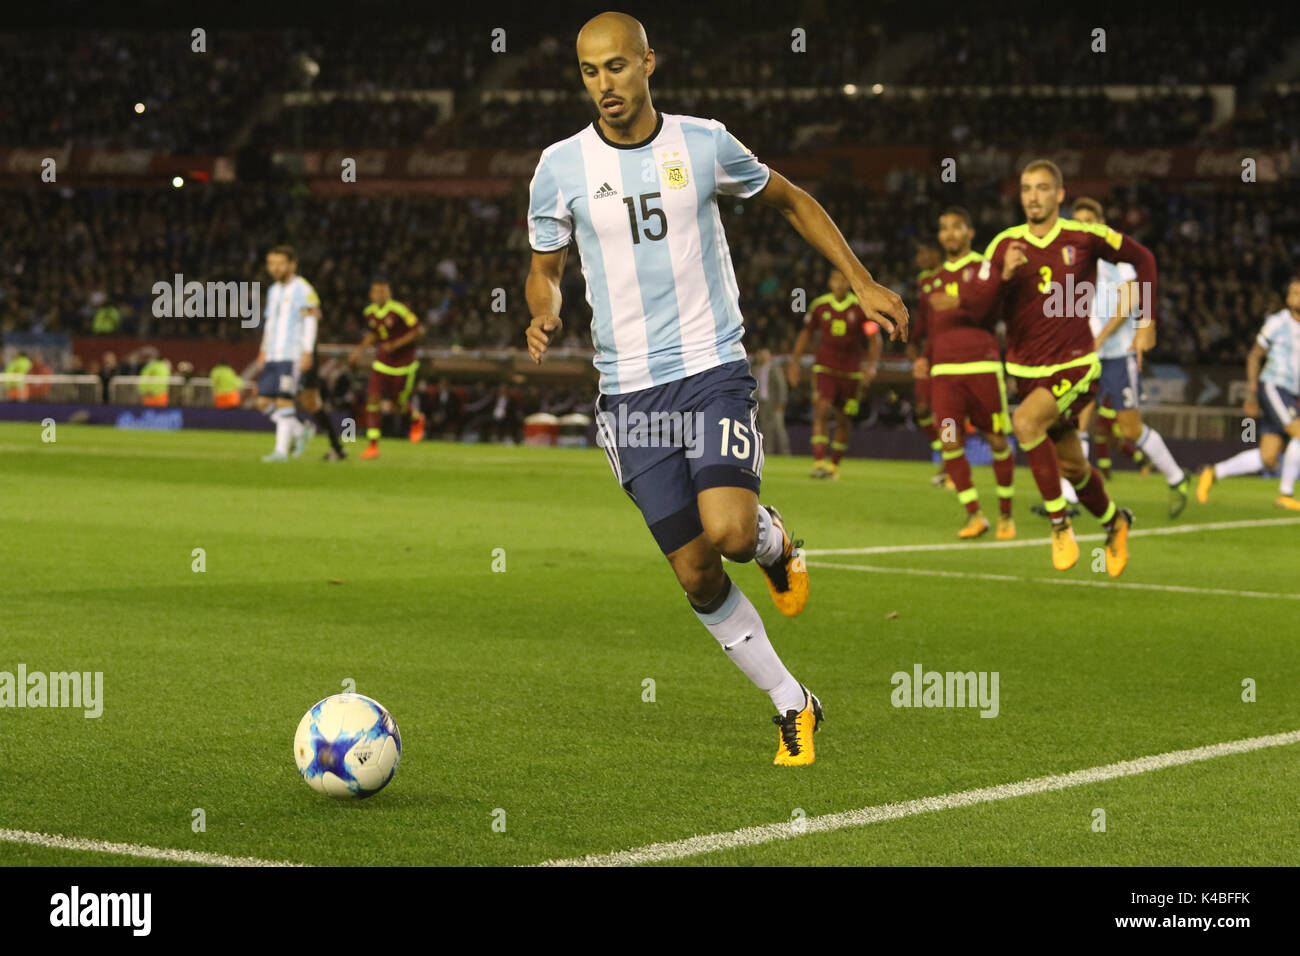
(390, 321)
(843, 331)
(920, 328)
(1043, 301)
(961, 334)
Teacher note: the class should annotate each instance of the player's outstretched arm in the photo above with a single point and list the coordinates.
(542, 290)
(812, 222)
(1253, 361)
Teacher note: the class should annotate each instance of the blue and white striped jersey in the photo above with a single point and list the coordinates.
(1110, 276)
(660, 283)
(291, 309)
(1281, 336)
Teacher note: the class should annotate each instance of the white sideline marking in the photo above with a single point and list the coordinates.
(132, 849)
(753, 836)
(985, 576)
(1034, 542)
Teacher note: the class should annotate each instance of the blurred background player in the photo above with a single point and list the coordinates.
(1274, 391)
(772, 394)
(288, 346)
(928, 259)
(840, 373)
(1120, 344)
(966, 370)
(393, 330)
(667, 329)
(1050, 350)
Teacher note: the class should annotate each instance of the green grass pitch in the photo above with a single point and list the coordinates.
(520, 693)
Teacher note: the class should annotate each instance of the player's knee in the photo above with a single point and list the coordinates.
(732, 537)
(1025, 426)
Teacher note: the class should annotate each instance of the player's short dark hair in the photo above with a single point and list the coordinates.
(1094, 207)
(1048, 165)
(961, 212)
(284, 250)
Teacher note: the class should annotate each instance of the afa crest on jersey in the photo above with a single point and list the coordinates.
(675, 175)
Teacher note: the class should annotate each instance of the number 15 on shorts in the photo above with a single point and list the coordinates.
(735, 439)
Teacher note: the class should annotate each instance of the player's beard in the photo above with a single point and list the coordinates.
(623, 122)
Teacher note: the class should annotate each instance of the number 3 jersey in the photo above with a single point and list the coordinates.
(660, 283)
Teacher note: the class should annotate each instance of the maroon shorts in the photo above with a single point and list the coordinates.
(395, 388)
(1073, 388)
(981, 397)
(836, 388)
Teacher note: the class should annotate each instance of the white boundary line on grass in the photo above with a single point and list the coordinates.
(131, 849)
(753, 836)
(1034, 542)
(1077, 582)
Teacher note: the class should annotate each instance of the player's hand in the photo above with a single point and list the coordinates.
(539, 334)
(306, 361)
(354, 357)
(1251, 407)
(883, 306)
(942, 301)
(792, 374)
(1144, 338)
(261, 360)
(1015, 258)
(920, 367)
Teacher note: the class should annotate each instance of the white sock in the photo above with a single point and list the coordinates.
(1067, 490)
(287, 428)
(1290, 467)
(1087, 446)
(1242, 463)
(1154, 447)
(738, 628)
(771, 542)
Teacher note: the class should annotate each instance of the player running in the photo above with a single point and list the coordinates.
(638, 189)
(1274, 391)
(841, 375)
(393, 330)
(1120, 344)
(288, 348)
(928, 259)
(966, 370)
(1044, 264)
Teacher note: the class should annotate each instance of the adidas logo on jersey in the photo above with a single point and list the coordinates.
(605, 190)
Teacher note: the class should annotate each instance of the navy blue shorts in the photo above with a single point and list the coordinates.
(667, 443)
(1120, 383)
(1277, 407)
(278, 380)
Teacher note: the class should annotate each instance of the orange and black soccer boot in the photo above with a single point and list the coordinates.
(1006, 528)
(796, 729)
(1117, 542)
(1288, 502)
(371, 452)
(787, 578)
(417, 428)
(975, 526)
(1065, 550)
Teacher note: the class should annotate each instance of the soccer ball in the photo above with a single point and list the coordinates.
(347, 746)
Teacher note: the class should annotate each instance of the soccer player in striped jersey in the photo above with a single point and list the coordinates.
(288, 347)
(638, 189)
(393, 330)
(1047, 266)
(841, 373)
(1274, 392)
(928, 259)
(966, 370)
(1120, 344)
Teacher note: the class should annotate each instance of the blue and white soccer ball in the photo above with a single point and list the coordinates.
(347, 746)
